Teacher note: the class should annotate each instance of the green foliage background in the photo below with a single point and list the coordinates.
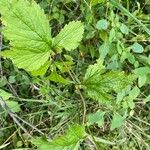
(71, 90)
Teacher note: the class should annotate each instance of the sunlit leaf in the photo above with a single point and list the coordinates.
(69, 141)
(117, 121)
(99, 83)
(28, 31)
(70, 36)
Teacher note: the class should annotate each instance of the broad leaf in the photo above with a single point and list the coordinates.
(102, 24)
(5, 95)
(13, 105)
(99, 84)
(70, 36)
(141, 71)
(137, 48)
(142, 80)
(104, 49)
(124, 29)
(97, 117)
(69, 141)
(28, 31)
(42, 70)
(94, 2)
(117, 121)
(54, 76)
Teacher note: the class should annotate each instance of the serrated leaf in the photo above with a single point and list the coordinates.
(70, 36)
(27, 60)
(99, 84)
(28, 31)
(42, 70)
(69, 141)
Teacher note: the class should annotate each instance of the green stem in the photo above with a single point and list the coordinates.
(126, 12)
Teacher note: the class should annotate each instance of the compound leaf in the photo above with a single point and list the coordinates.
(27, 28)
(70, 36)
(99, 84)
(69, 141)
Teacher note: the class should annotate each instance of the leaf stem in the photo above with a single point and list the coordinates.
(75, 79)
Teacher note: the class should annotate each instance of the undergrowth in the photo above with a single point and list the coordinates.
(75, 74)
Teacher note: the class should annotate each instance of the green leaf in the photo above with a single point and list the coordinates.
(141, 71)
(42, 70)
(69, 141)
(104, 141)
(134, 93)
(124, 29)
(117, 121)
(14, 106)
(12, 79)
(28, 31)
(142, 80)
(99, 84)
(5, 95)
(130, 15)
(97, 117)
(70, 36)
(129, 100)
(54, 76)
(147, 99)
(94, 2)
(102, 24)
(104, 49)
(137, 48)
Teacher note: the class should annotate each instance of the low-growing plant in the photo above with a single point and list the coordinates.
(81, 95)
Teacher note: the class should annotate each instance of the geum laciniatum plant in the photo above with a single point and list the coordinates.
(33, 49)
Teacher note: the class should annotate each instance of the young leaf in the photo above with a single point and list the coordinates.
(137, 48)
(14, 106)
(141, 71)
(104, 49)
(54, 76)
(98, 85)
(124, 29)
(102, 24)
(142, 80)
(70, 36)
(97, 117)
(28, 31)
(5, 95)
(117, 121)
(69, 141)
